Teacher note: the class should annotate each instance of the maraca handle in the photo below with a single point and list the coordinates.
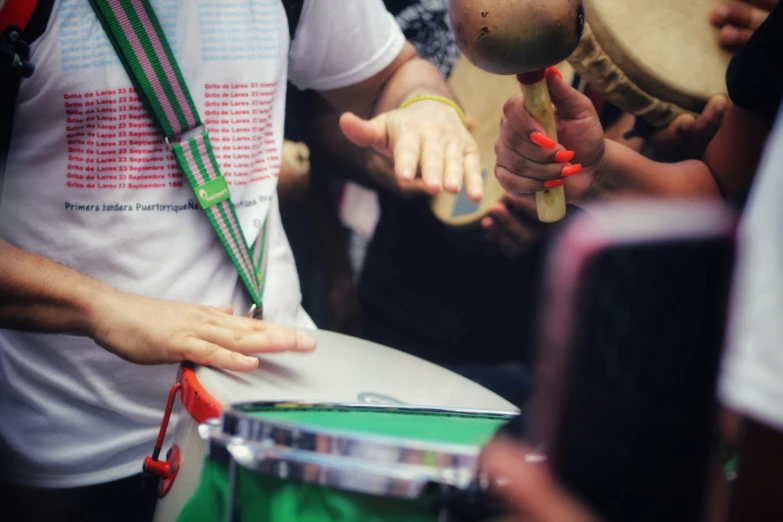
(550, 203)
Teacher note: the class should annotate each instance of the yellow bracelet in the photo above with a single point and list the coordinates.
(441, 99)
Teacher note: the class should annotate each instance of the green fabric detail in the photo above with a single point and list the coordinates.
(152, 56)
(193, 144)
(262, 498)
(131, 63)
(247, 278)
(212, 192)
(428, 426)
(170, 55)
(260, 268)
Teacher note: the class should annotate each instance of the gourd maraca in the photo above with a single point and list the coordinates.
(522, 37)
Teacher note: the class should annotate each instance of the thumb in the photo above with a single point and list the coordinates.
(571, 104)
(364, 133)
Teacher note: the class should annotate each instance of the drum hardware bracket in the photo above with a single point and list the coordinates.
(166, 471)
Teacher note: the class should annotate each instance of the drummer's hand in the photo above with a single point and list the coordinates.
(512, 225)
(531, 492)
(687, 137)
(528, 161)
(738, 20)
(431, 148)
(144, 330)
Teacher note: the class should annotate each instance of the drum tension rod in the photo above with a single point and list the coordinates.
(165, 470)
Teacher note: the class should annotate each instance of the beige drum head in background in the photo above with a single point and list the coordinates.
(652, 58)
(481, 95)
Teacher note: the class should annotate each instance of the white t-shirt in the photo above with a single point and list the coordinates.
(752, 376)
(90, 185)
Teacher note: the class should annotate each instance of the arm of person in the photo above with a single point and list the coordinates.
(756, 493)
(529, 162)
(624, 172)
(39, 295)
(427, 136)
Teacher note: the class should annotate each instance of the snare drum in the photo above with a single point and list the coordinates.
(332, 462)
(342, 369)
(653, 59)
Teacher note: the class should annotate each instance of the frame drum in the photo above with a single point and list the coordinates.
(342, 369)
(655, 60)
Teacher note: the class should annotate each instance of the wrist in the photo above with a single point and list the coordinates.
(92, 300)
(438, 99)
(606, 176)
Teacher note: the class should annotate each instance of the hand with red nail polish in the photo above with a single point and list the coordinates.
(528, 160)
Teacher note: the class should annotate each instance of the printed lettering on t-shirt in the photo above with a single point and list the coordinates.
(83, 45)
(226, 35)
(114, 145)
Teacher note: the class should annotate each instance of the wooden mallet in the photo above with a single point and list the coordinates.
(522, 37)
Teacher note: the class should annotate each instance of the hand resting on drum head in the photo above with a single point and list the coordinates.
(154, 331)
(37, 294)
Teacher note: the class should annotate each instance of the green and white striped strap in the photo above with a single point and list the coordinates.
(138, 39)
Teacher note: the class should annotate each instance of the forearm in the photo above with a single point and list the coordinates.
(408, 75)
(415, 77)
(626, 173)
(734, 153)
(39, 295)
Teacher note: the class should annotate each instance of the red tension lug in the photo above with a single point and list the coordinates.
(166, 470)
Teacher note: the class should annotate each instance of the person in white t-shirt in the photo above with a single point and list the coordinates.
(751, 383)
(105, 286)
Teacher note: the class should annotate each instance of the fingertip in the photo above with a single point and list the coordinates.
(487, 222)
(452, 186)
(433, 185)
(729, 35)
(554, 71)
(407, 173)
(305, 343)
(720, 14)
(720, 104)
(250, 362)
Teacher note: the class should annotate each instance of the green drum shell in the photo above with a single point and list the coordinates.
(318, 462)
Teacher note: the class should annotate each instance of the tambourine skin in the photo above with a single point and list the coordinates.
(655, 60)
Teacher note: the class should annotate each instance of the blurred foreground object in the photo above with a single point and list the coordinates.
(633, 323)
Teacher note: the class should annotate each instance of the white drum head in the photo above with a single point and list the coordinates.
(350, 370)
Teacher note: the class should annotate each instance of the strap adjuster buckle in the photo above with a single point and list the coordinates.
(185, 136)
(256, 312)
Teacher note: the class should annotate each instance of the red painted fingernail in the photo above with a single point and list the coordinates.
(564, 156)
(542, 140)
(555, 71)
(570, 170)
(553, 183)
